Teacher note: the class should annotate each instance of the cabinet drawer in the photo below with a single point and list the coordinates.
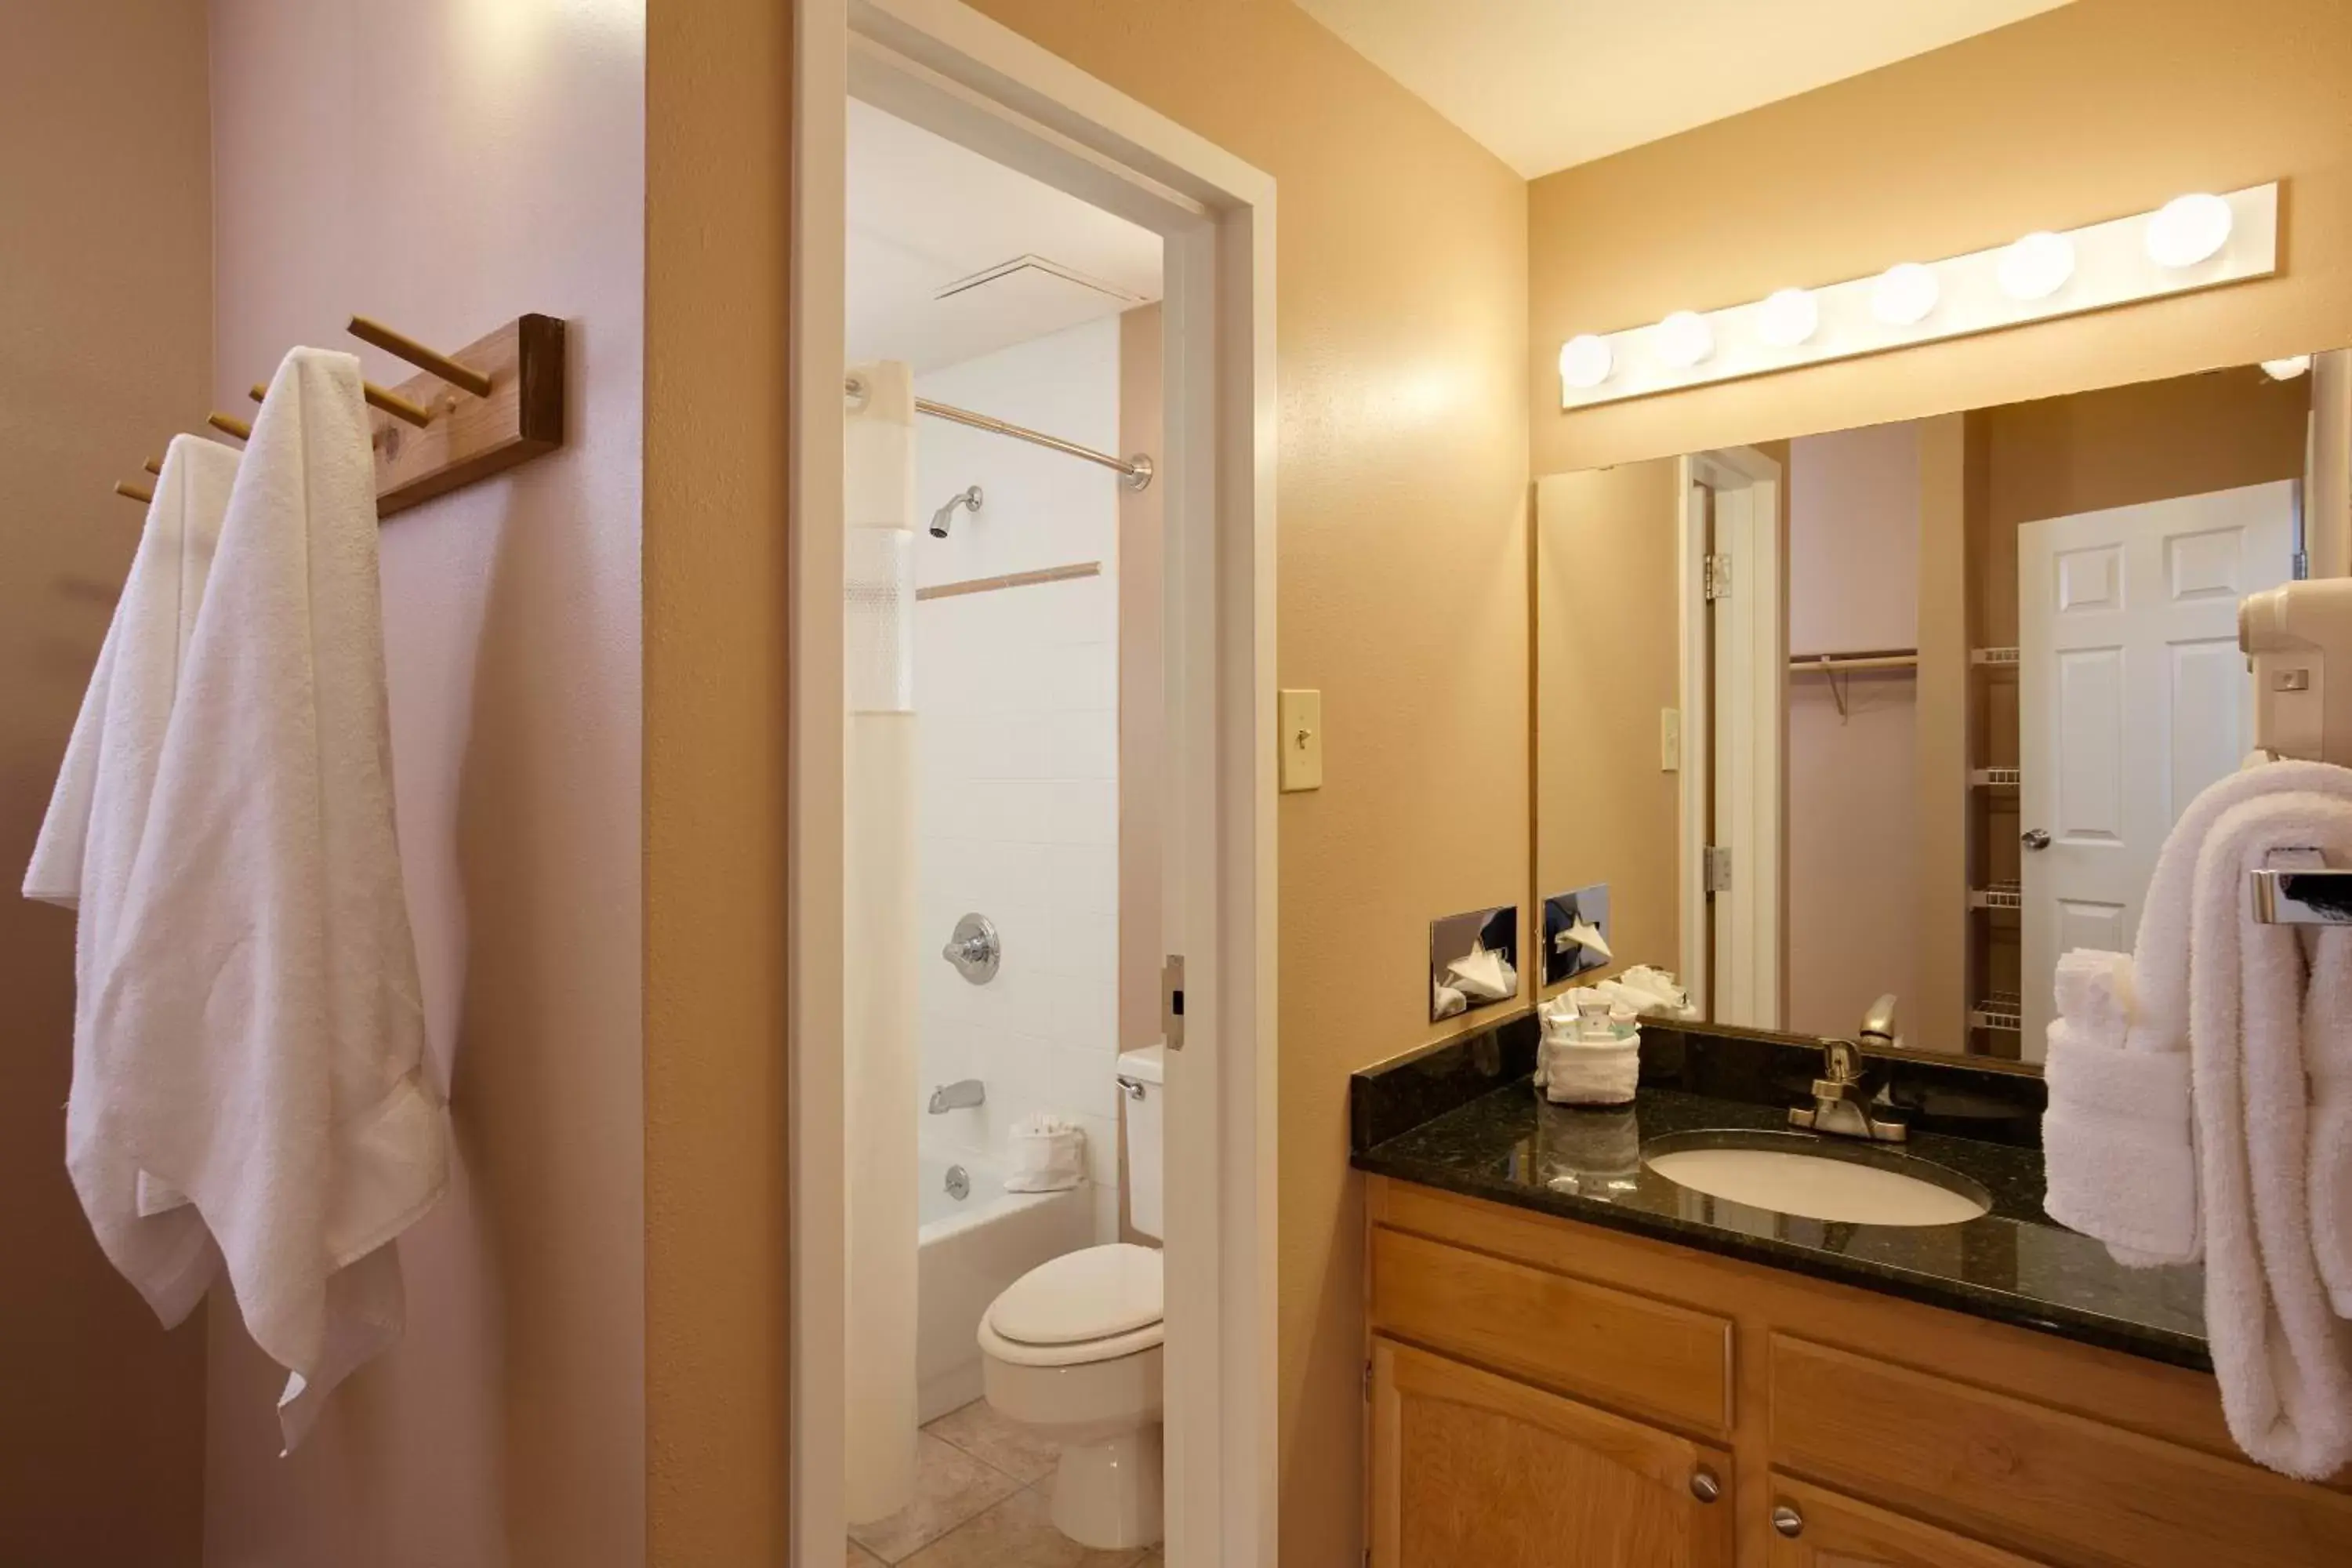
(1625, 1351)
(2051, 1483)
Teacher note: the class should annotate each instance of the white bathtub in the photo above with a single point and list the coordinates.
(967, 1251)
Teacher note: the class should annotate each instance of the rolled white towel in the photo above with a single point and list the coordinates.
(2094, 992)
(2118, 1160)
(1048, 1154)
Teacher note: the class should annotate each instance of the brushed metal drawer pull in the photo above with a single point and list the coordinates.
(1787, 1521)
(1703, 1486)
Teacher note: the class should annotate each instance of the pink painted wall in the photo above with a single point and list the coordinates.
(106, 331)
(445, 165)
(1853, 585)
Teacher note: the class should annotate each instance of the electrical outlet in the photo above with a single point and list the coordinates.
(1669, 740)
(1301, 724)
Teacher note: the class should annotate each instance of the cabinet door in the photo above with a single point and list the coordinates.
(1473, 1468)
(1814, 1529)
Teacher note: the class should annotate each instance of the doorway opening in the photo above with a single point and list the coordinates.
(997, 649)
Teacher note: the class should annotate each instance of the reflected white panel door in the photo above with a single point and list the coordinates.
(2133, 698)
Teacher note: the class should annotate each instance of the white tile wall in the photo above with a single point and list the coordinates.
(1016, 693)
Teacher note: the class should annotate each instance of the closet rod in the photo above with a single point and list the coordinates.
(1136, 470)
(1891, 659)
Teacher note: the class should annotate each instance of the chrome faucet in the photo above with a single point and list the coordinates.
(1878, 1023)
(1842, 1098)
(962, 1095)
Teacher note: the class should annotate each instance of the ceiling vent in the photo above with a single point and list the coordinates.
(1033, 270)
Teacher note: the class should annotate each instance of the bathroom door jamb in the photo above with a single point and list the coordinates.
(955, 72)
(1732, 727)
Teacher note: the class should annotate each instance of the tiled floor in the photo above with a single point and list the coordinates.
(983, 1495)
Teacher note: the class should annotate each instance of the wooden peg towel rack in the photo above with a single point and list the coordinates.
(487, 407)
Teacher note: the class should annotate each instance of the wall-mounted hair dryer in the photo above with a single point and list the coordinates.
(2298, 640)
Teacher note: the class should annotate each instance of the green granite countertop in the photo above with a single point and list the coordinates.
(1508, 1145)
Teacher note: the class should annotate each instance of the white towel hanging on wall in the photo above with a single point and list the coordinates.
(91, 838)
(261, 1011)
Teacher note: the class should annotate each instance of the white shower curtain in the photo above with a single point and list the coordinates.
(879, 944)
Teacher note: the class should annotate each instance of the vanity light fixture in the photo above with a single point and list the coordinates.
(2037, 266)
(1684, 338)
(1904, 294)
(2186, 230)
(2192, 243)
(1787, 318)
(2286, 369)
(1585, 359)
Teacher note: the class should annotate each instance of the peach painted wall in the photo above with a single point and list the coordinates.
(1401, 334)
(719, 270)
(106, 331)
(2096, 108)
(447, 165)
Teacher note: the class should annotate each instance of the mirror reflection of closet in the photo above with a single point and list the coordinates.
(1908, 708)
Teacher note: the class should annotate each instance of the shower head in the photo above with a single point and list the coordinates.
(945, 514)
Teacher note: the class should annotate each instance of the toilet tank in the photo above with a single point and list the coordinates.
(1144, 1113)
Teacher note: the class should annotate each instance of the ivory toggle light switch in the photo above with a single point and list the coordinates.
(1301, 722)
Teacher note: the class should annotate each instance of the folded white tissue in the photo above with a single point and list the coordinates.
(1591, 1049)
(1048, 1154)
(1482, 974)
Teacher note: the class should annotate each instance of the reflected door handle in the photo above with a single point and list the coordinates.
(2035, 838)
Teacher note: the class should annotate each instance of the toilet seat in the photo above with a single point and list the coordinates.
(1092, 1305)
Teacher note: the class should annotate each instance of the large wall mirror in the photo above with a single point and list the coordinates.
(1908, 710)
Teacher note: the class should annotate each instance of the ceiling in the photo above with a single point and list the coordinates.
(926, 214)
(1544, 84)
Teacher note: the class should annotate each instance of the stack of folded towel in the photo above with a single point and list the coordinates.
(2201, 1108)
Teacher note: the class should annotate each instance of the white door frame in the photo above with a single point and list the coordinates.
(1747, 771)
(946, 67)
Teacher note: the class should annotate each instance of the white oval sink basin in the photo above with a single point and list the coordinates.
(1792, 1179)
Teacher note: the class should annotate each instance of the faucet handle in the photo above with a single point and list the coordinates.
(1842, 1062)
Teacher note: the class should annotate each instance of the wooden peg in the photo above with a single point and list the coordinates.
(229, 425)
(399, 407)
(391, 403)
(461, 376)
(139, 493)
(153, 467)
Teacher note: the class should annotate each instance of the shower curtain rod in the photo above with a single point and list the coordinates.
(1136, 471)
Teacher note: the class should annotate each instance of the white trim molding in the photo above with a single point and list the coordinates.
(2112, 265)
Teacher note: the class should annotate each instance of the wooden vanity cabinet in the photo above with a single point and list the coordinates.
(1471, 1468)
(1816, 1529)
(1545, 1393)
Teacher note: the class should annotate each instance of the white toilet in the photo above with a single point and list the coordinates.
(1072, 1349)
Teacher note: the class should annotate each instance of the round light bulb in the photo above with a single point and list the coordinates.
(1904, 294)
(1584, 361)
(1787, 318)
(1684, 338)
(2186, 230)
(2286, 369)
(2037, 266)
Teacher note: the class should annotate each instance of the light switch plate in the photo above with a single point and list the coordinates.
(1301, 723)
(1669, 740)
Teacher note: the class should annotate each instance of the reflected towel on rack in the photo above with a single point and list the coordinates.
(89, 841)
(261, 1011)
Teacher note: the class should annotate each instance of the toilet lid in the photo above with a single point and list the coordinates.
(1086, 1295)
